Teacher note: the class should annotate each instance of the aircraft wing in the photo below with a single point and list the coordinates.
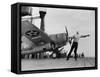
(34, 34)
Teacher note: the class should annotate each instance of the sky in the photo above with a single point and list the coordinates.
(75, 20)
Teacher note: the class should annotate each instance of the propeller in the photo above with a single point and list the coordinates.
(67, 36)
(66, 33)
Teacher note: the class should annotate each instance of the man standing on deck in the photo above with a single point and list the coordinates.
(74, 46)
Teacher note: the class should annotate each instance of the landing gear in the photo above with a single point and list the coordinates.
(54, 55)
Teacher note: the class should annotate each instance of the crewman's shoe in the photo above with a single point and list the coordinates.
(67, 59)
(75, 59)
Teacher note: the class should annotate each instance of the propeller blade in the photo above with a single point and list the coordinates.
(67, 36)
(66, 31)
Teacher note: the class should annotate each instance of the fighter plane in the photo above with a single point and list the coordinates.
(39, 40)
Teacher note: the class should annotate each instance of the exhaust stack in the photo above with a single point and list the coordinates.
(42, 16)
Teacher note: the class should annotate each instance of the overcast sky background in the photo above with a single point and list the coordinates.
(82, 21)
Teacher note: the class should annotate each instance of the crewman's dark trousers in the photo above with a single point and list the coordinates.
(74, 46)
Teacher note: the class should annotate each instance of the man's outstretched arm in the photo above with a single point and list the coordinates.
(83, 36)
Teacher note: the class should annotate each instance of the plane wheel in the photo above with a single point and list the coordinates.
(54, 55)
